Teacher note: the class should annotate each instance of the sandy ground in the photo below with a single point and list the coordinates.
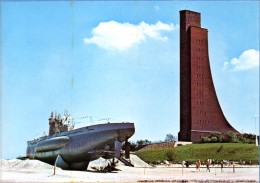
(34, 171)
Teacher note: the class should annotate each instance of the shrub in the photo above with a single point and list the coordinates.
(215, 134)
(206, 139)
(214, 139)
(229, 137)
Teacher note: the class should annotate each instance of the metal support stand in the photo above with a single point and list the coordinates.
(55, 165)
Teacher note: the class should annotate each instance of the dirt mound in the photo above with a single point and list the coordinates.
(137, 162)
(166, 145)
(160, 145)
(16, 164)
(99, 164)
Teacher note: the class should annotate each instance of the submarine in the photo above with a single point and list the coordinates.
(73, 149)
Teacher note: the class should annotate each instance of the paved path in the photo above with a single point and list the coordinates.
(132, 174)
(191, 175)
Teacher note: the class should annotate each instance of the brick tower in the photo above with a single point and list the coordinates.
(200, 111)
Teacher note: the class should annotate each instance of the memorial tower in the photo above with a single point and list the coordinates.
(200, 111)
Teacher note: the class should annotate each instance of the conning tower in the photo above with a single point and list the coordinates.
(56, 124)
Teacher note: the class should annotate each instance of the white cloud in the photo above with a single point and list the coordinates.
(114, 35)
(249, 59)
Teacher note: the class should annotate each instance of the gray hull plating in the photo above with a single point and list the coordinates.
(77, 147)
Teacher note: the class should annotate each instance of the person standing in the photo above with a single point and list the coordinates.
(221, 165)
(187, 164)
(183, 163)
(207, 164)
(198, 165)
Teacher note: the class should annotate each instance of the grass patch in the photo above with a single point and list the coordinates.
(193, 152)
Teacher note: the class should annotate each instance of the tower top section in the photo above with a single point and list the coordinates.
(189, 18)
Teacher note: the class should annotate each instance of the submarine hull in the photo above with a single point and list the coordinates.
(76, 148)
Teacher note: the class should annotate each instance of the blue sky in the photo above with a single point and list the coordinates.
(119, 60)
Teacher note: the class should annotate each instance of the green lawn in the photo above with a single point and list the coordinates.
(193, 152)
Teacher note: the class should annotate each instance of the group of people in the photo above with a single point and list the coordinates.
(208, 162)
(198, 164)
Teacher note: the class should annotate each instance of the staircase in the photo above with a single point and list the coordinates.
(126, 162)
